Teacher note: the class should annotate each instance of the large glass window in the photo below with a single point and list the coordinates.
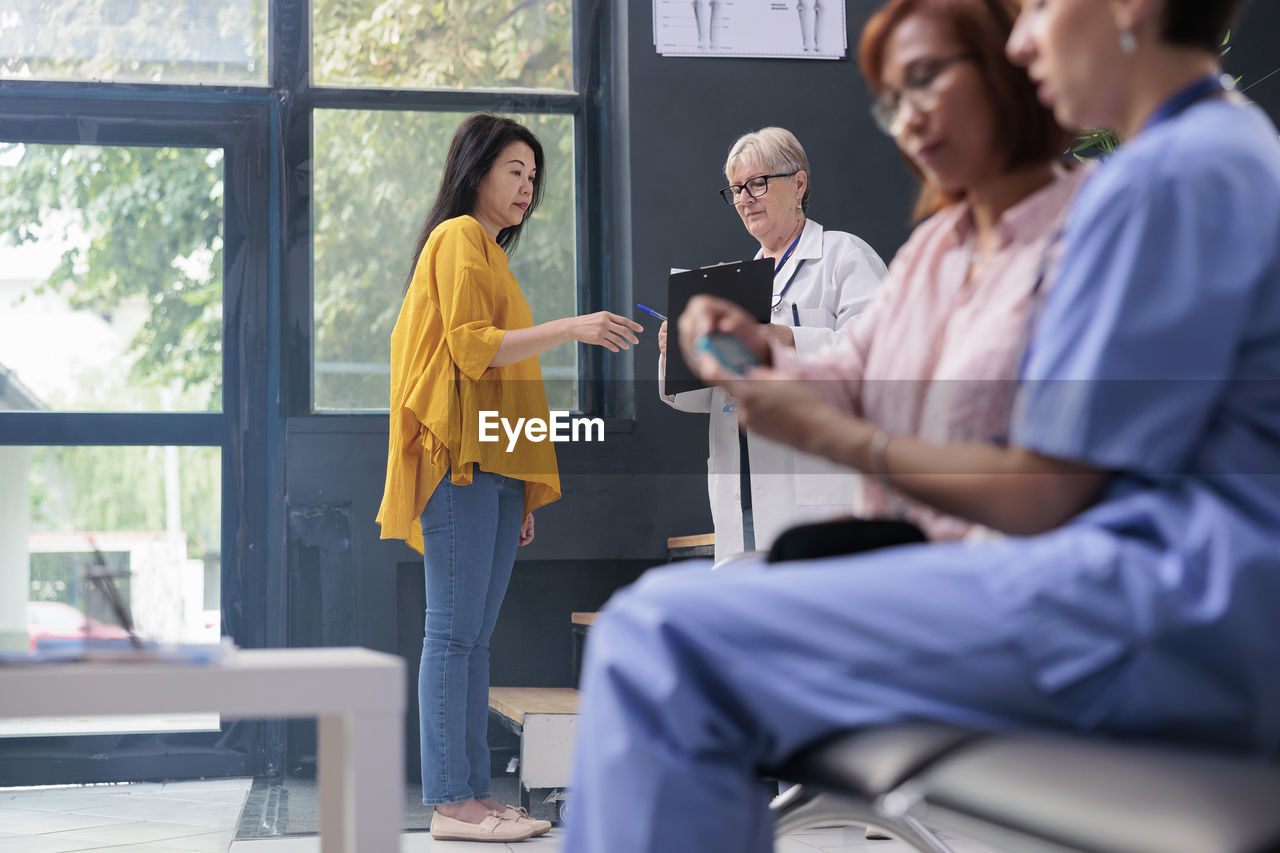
(110, 278)
(375, 177)
(193, 259)
(157, 41)
(443, 44)
(148, 515)
(376, 170)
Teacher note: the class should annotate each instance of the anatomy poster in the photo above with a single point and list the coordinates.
(804, 29)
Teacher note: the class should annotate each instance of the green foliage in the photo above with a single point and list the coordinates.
(1094, 145)
(444, 43)
(152, 217)
(123, 488)
(149, 229)
(375, 178)
(160, 41)
(145, 224)
(377, 171)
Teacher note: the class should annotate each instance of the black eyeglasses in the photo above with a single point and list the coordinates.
(754, 187)
(919, 90)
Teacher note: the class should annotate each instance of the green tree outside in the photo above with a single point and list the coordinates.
(375, 179)
(151, 220)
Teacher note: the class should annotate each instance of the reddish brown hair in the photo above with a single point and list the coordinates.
(1028, 131)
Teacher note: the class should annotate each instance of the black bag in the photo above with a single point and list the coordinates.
(842, 536)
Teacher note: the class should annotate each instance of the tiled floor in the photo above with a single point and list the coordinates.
(183, 817)
(200, 817)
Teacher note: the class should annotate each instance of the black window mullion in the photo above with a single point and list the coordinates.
(112, 428)
(238, 123)
(299, 103)
(595, 286)
(136, 120)
(441, 100)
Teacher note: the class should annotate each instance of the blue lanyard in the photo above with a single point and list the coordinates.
(1206, 87)
(787, 254)
(778, 301)
(799, 264)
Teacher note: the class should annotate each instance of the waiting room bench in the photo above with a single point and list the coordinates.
(1033, 793)
(545, 719)
(689, 547)
(1023, 792)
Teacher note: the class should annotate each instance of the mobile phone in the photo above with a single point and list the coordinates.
(729, 351)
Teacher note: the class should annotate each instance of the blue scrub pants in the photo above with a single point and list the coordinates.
(471, 534)
(694, 680)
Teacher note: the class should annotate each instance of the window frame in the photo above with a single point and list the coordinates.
(587, 105)
(239, 123)
(266, 134)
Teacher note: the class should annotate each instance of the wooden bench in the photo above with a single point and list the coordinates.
(544, 718)
(687, 547)
(678, 548)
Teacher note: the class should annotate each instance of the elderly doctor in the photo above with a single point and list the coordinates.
(821, 280)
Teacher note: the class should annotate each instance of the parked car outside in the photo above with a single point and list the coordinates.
(55, 624)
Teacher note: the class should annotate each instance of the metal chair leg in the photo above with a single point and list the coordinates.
(798, 809)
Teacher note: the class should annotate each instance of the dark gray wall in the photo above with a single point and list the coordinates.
(685, 113)
(1254, 55)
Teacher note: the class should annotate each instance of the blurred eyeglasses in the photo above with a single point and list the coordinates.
(919, 91)
(754, 187)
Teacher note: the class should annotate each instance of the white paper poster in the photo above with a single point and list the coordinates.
(793, 29)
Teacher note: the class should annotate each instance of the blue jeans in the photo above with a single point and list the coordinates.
(471, 534)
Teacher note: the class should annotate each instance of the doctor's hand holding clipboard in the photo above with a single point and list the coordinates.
(746, 284)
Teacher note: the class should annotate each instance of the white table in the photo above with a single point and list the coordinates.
(357, 696)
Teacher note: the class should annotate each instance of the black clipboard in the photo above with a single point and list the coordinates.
(747, 283)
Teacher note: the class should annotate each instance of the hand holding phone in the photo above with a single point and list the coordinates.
(733, 354)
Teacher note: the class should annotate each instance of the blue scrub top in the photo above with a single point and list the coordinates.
(1157, 356)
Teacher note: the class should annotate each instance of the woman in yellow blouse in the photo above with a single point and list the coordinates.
(465, 343)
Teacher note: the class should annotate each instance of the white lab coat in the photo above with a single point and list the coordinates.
(837, 275)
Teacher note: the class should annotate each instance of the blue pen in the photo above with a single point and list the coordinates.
(646, 309)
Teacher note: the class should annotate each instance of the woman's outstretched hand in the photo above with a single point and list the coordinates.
(604, 328)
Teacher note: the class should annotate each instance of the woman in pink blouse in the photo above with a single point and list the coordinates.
(935, 353)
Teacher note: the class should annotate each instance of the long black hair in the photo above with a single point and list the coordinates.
(476, 145)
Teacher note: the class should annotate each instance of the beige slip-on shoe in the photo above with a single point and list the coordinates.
(875, 833)
(493, 828)
(521, 815)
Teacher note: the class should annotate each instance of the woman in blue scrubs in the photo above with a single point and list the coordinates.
(1135, 593)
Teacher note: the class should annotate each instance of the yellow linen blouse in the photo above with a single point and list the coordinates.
(462, 298)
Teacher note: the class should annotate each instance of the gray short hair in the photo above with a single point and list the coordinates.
(777, 150)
